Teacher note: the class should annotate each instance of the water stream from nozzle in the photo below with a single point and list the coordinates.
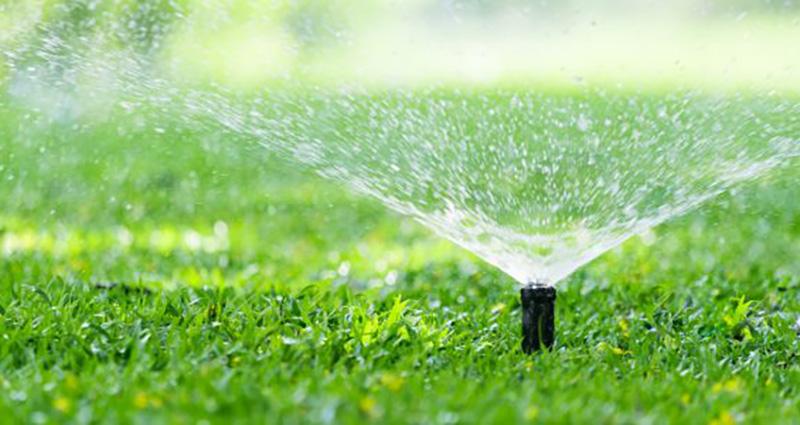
(536, 182)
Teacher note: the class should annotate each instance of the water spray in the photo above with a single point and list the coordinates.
(538, 317)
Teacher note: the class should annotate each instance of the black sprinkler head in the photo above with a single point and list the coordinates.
(538, 317)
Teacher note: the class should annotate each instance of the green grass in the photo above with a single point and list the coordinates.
(180, 278)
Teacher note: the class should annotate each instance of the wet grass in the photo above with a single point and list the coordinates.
(150, 277)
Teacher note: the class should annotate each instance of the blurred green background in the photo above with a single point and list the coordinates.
(154, 272)
(632, 44)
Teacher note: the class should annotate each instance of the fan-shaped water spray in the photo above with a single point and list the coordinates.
(534, 183)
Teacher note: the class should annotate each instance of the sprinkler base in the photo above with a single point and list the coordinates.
(538, 317)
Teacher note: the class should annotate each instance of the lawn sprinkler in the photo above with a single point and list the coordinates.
(538, 317)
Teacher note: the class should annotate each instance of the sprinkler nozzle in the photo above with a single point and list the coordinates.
(538, 317)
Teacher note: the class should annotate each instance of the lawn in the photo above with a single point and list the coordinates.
(154, 275)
